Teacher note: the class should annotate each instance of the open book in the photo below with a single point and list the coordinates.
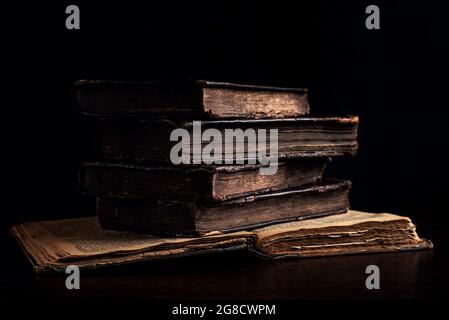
(53, 245)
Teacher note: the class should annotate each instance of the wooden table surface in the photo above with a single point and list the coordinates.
(237, 275)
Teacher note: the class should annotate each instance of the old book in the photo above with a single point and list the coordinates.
(214, 183)
(195, 99)
(53, 245)
(174, 217)
(142, 140)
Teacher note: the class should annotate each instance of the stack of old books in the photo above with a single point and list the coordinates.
(185, 168)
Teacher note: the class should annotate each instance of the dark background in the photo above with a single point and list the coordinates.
(394, 78)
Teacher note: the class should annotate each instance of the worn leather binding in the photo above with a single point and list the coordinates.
(189, 99)
(191, 218)
(190, 182)
(140, 141)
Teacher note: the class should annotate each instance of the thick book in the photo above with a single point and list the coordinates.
(142, 140)
(194, 99)
(51, 246)
(191, 218)
(213, 183)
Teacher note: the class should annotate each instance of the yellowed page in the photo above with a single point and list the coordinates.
(352, 217)
(83, 237)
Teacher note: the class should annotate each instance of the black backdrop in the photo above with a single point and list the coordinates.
(393, 78)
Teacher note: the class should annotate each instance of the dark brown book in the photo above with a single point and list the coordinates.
(141, 140)
(214, 183)
(173, 217)
(195, 99)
